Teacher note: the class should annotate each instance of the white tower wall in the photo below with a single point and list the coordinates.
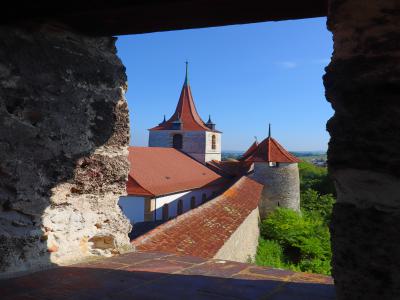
(197, 144)
(281, 186)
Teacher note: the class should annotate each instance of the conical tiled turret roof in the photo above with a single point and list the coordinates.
(269, 150)
(186, 111)
(249, 151)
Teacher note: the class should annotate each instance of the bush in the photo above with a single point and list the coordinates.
(304, 239)
(269, 253)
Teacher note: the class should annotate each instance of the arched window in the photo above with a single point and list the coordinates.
(193, 202)
(165, 213)
(213, 142)
(177, 141)
(203, 198)
(180, 207)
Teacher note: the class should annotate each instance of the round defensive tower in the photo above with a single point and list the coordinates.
(277, 170)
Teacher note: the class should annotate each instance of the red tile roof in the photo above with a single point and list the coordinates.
(204, 230)
(186, 112)
(230, 167)
(250, 151)
(269, 150)
(160, 171)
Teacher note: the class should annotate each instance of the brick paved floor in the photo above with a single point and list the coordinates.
(164, 276)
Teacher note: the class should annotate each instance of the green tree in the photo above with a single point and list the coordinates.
(316, 178)
(313, 202)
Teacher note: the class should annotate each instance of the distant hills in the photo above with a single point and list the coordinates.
(306, 155)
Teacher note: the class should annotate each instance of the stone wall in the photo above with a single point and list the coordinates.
(363, 85)
(242, 244)
(281, 186)
(64, 136)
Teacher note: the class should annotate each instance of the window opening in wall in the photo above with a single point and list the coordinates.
(177, 141)
(165, 212)
(213, 142)
(262, 85)
(179, 209)
(193, 202)
(203, 198)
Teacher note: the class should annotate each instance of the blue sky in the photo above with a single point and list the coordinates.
(245, 76)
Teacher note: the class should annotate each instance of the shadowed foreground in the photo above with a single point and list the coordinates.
(164, 276)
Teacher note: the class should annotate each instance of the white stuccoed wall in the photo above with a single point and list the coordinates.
(195, 143)
(133, 207)
(213, 154)
(172, 201)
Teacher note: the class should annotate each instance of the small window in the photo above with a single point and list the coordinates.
(203, 198)
(213, 142)
(193, 202)
(180, 207)
(273, 164)
(177, 141)
(165, 213)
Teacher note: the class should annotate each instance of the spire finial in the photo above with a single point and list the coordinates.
(164, 120)
(255, 138)
(186, 75)
(269, 130)
(209, 119)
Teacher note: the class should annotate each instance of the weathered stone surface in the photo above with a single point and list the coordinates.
(281, 186)
(366, 252)
(64, 135)
(363, 85)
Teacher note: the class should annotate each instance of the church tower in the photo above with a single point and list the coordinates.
(277, 170)
(186, 131)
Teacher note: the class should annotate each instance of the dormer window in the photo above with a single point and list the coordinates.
(177, 141)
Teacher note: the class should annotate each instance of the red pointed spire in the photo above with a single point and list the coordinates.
(186, 111)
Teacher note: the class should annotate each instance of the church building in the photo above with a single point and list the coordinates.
(182, 168)
(170, 176)
(186, 131)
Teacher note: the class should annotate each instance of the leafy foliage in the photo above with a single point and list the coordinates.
(313, 202)
(270, 253)
(316, 178)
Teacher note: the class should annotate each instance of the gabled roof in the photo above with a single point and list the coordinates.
(269, 150)
(204, 230)
(185, 112)
(158, 171)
